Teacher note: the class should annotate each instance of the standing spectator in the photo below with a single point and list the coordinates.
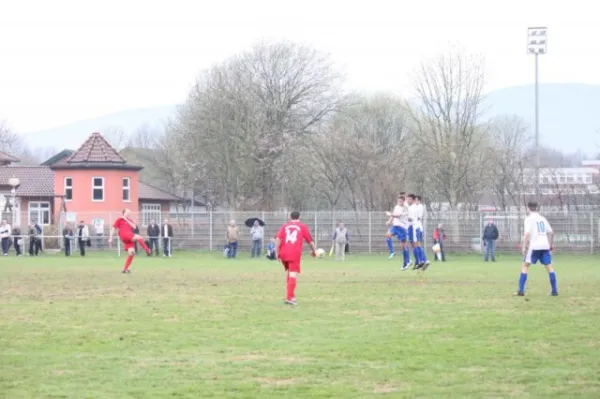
(439, 236)
(340, 239)
(5, 234)
(233, 234)
(490, 235)
(67, 238)
(83, 237)
(17, 240)
(257, 233)
(153, 234)
(167, 234)
(35, 238)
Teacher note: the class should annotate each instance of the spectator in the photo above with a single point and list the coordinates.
(439, 236)
(67, 238)
(17, 240)
(83, 237)
(167, 231)
(233, 234)
(35, 238)
(257, 233)
(340, 239)
(153, 234)
(271, 248)
(5, 231)
(490, 235)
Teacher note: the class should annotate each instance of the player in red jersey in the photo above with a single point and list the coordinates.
(288, 245)
(125, 225)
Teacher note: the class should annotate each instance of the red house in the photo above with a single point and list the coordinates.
(93, 183)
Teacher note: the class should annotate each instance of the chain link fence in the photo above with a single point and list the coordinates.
(574, 231)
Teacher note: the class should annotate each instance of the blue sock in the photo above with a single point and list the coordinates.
(406, 255)
(423, 254)
(390, 244)
(417, 256)
(553, 282)
(522, 281)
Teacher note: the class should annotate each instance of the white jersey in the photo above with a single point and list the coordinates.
(413, 214)
(421, 213)
(402, 220)
(538, 228)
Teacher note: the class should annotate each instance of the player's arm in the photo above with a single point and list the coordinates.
(277, 244)
(550, 234)
(526, 236)
(389, 221)
(308, 238)
(112, 233)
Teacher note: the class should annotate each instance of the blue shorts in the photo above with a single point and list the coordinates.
(543, 255)
(398, 232)
(415, 234)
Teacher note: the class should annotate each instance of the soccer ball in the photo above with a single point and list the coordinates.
(436, 248)
(320, 253)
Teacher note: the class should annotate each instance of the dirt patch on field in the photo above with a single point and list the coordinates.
(275, 382)
(385, 388)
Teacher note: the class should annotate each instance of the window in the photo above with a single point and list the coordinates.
(98, 189)
(151, 212)
(588, 179)
(68, 188)
(570, 179)
(39, 212)
(126, 189)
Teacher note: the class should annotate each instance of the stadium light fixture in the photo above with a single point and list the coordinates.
(537, 44)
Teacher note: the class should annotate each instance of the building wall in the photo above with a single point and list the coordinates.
(82, 201)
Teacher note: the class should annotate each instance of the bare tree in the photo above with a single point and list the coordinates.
(243, 114)
(116, 137)
(445, 119)
(509, 139)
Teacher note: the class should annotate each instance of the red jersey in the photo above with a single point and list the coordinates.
(292, 236)
(125, 229)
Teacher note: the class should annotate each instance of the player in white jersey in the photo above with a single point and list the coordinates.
(538, 244)
(399, 228)
(415, 233)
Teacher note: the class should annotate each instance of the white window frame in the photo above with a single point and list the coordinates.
(151, 211)
(69, 187)
(126, 189)
(97, 188)
(40, 211)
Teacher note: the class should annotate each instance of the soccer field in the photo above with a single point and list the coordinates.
(198, 326)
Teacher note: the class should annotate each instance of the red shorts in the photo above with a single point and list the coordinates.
(291, 265)
(127, 241)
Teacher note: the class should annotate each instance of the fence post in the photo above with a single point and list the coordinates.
(192, 217)
(210, 229)
(370, 231)
(592, 236)
(262, 217)
(480, 232)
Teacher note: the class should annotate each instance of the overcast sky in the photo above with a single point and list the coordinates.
(62, 61)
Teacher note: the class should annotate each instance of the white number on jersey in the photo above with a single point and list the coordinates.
(291, 235)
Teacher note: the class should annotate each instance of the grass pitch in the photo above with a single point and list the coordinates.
(197, 326)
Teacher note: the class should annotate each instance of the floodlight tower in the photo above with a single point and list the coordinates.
(537, 45)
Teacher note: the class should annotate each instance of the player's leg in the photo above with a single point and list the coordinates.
(424, 261)
(405, 251)
(529, 259)
(411, 240)
(130, 248)
(140, 240)
(293, 271)
(390, 242)
(546, 260)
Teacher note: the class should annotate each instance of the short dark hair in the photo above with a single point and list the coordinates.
(295, 215)
(532, 205)
(411, 196)
(402, 193)
(418, 197)
(401, 197)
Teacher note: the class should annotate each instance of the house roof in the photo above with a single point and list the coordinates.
(6, 158)
(61, 156)
(94, 153)
(148, 192)
(36, 181)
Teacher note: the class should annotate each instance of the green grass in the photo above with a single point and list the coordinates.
(201, 326)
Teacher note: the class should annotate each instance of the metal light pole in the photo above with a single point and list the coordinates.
(537, 45)
(14, 183)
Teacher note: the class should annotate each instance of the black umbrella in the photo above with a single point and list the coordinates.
(250, 222)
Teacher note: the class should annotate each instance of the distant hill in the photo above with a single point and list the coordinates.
(569, 118)
(568, 113)
(74, 134)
